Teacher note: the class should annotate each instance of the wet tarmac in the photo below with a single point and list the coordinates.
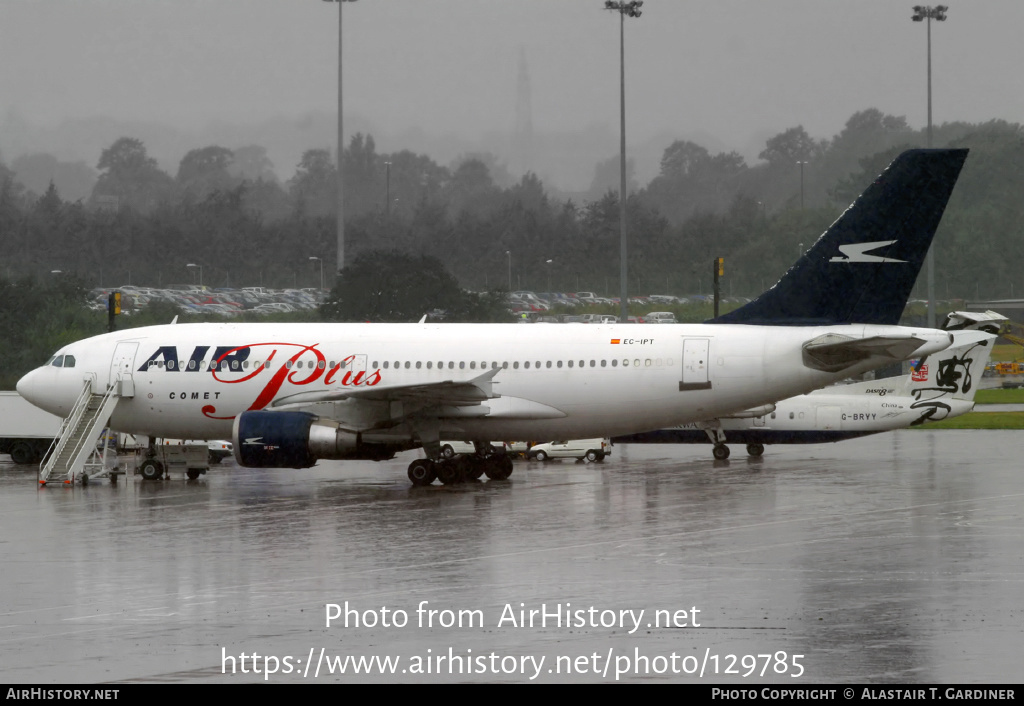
(896, 558)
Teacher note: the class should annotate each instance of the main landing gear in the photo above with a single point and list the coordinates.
(460, 468)
(721, 451)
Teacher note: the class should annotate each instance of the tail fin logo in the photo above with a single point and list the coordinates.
(858, 252)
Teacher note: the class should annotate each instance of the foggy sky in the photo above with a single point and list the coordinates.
(737, 71)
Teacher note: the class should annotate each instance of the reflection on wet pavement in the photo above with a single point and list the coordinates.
(893, 558)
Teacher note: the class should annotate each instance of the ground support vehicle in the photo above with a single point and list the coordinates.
(26, 432)
(191, 459)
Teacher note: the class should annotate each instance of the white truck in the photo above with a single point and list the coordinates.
(26, 431)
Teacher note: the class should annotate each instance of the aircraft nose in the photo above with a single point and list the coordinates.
(35, 389)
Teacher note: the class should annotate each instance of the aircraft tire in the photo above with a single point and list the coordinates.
(449, 473)
(151, 470)
(755, 449)
(477, 467)
(422, 472)
(500, 469)
(22, 453)
(720, 452)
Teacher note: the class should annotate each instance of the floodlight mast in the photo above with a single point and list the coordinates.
(631, 9)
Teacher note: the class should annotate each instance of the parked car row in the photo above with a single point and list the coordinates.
(534, 304)
(222, 301)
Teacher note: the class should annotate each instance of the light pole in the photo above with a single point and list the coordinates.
(321, 261)
(509, 254)
(937, 13)
(801, 163)
(191, 264)
(387, 189)
(633, 10)
(341, 148)
(549, 274)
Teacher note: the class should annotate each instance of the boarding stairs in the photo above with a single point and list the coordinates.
(75, 444)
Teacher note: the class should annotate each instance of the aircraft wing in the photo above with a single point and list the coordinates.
(454, 393)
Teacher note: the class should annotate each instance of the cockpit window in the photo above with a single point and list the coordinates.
(58, 361)
(69, 361)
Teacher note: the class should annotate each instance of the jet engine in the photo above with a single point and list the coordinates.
(298, 439)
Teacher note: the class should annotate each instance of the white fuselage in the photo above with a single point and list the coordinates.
(554, 381)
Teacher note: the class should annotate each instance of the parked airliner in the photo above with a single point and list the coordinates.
(939, 387)
(290, 394)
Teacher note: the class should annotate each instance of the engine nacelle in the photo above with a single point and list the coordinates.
(297, 440)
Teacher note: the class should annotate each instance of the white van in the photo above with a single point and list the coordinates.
(589, 449)
(660, 317)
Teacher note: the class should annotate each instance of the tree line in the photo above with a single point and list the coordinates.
(226, 211)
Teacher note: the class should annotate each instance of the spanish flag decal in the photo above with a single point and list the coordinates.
(616, 340)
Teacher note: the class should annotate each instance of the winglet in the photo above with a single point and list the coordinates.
(862, 269)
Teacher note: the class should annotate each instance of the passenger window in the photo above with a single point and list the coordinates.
(430, 364)
(418, 365)
(570, 363)
(321, 364)
(526, 365)
(385, 365)
(516, 365)
(472, 365)
(548, 364)
(462, 365)
(406, 365)
(559, 364)
(604, 363)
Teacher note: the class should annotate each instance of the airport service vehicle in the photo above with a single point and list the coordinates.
(580, 449)
(26, 431)
(290, 394)
(941, 386)
(216, 449)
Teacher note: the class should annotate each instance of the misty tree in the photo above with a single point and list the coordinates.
(251, 163)
(693, 180)
(131, 176)
(608, 177)
(314, 187)
(74, 180)
(204, 171)
(394, 286)
(791, 146)
(470, 188)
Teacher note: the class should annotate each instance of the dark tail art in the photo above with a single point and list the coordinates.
(862, 269)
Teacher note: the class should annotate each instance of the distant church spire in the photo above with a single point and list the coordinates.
(522, 138)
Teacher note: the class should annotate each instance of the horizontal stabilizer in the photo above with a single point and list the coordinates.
(834, 352)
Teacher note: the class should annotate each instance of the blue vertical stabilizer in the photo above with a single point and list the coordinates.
(862, 269)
